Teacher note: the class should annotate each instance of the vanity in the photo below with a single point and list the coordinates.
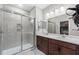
(52, 44)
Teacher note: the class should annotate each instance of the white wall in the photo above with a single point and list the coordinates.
(39, 17)
(33, 12)
(73, 28)
(37, 13)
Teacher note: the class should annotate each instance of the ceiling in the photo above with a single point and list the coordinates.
(28, 7)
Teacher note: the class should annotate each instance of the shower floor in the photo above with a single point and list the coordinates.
(16, 49)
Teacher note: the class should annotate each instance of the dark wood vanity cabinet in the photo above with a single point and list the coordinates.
(66, 51)
(53, 48)
(42, 44)
(67, 48)
(56, 47)
(39, 42)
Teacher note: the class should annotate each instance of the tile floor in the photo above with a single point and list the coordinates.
(31, 52)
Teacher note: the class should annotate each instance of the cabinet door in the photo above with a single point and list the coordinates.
(42, 44)
(39, 42)
(53, 48)
(45, 45)
(67, 51)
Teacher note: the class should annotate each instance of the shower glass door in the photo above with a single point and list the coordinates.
(11, 42)
(18, 33)
(27, 32)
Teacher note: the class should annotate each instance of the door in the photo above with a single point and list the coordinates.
(27, 32)
(42, 44)
(12, 33)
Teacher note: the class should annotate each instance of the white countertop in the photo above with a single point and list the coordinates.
(67, 38)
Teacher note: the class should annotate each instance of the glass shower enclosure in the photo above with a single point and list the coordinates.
(17, 32)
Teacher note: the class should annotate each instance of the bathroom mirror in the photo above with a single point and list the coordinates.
(42, 26)
(51, 27)
(62, 25)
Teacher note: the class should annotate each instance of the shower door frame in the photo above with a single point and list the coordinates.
(34, 29)
(34, 33)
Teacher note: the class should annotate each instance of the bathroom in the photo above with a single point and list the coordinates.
(29, 29)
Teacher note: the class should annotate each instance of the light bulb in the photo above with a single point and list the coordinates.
(51, 12)
(56, 11)
(62, 8)
(20, 5)
(47, 14)
(32, 21)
